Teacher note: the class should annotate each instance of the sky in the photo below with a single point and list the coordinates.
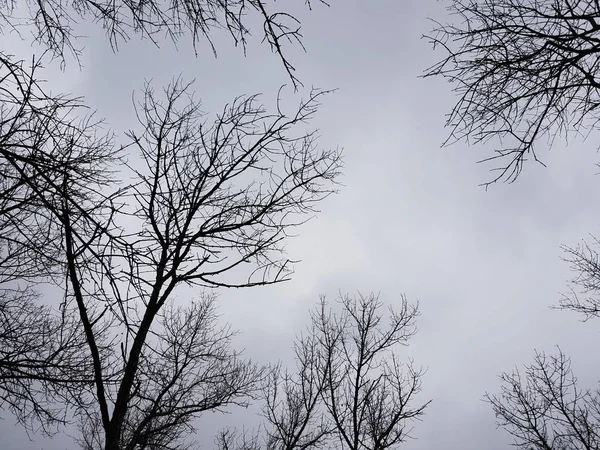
(410, 218)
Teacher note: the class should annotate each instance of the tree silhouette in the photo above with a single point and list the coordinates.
(525, 71)
(349, 389)
(207, 203)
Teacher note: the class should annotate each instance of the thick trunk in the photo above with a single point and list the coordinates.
(114, 429)
(112, 438)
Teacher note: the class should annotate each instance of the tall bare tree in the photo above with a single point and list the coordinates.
(209, 205)
(180, 205)
(525, 71)
(349, 389)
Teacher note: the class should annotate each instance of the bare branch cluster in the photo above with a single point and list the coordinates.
(42, 360)
(584, 288)
(216, 196)
(545, 409)
(42, 142)
(187, 367)
(43, 139)
(53, 23)
(349, 389)
(523, 70)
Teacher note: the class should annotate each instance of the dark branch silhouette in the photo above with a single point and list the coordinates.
(54, 23)
(348, 390)
(42, 360)
(187, 368)
(41, 140)
(525, 71)
(545, 408)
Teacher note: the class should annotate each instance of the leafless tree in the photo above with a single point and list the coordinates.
(53, 23)
(545, 408)
(120, 229)
(209, 205)
(524, 70)
(349, 389)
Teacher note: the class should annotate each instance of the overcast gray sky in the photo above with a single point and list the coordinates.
(484, 265)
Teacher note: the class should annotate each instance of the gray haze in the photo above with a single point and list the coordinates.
(485, 266)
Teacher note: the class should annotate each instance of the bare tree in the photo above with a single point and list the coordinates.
(524, 70)
(53, 23)
(120, 230)
(209, 205)
(349, 390)
(545, 408)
